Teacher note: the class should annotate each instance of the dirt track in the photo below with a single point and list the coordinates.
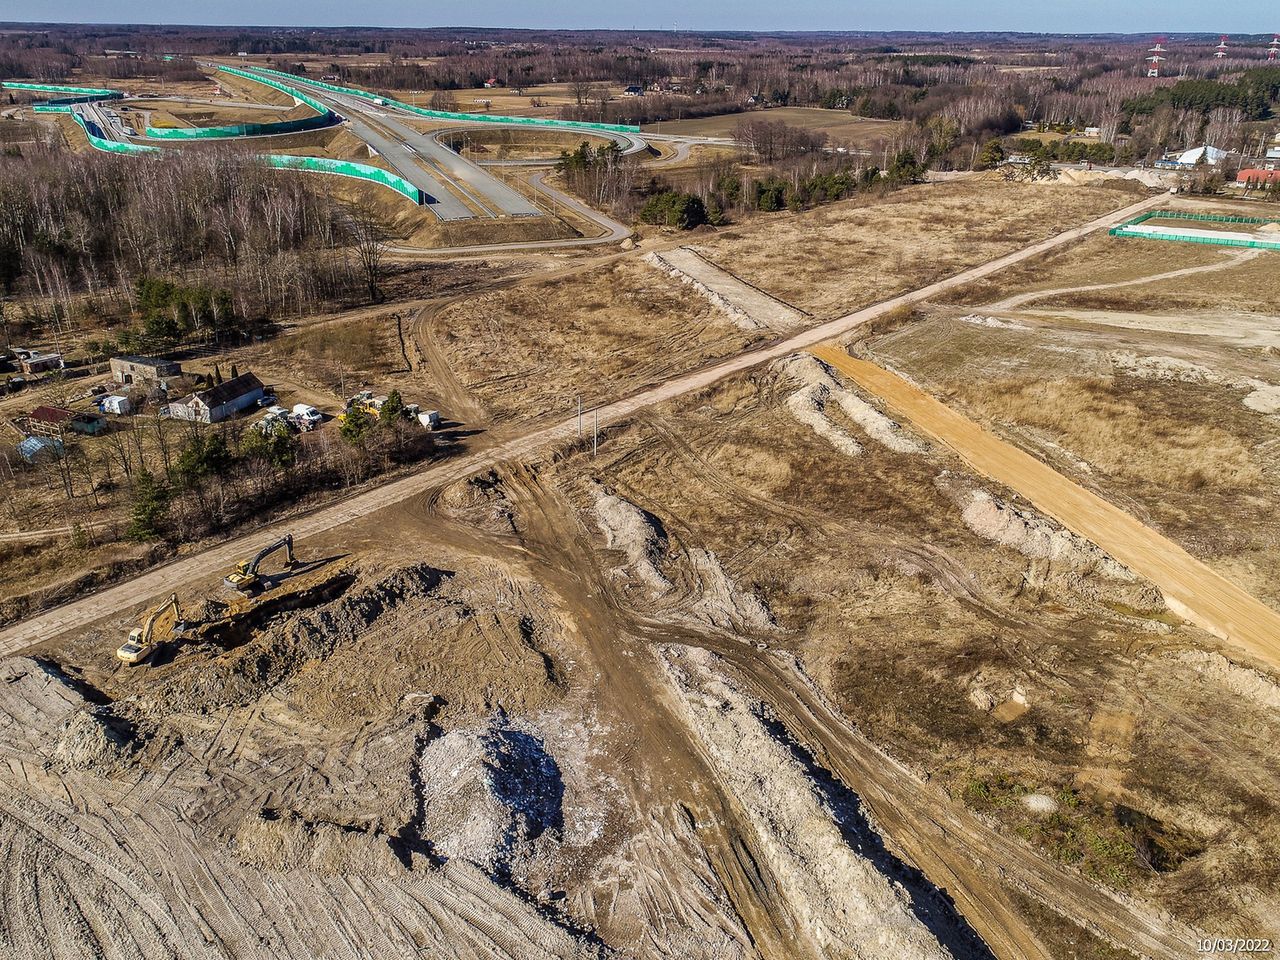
(82, 612)
(1191, 588)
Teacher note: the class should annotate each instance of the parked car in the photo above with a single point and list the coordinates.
(305, 416)
(268, 400)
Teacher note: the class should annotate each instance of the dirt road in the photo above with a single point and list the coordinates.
(1234, 259)
(1191, 588)
(84, 611)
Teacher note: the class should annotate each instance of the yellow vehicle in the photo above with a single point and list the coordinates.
(141, 643)
(245, 578)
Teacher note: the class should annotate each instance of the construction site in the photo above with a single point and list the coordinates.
(892, 578)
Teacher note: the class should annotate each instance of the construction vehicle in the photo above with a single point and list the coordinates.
(142, 640)
(245, 578)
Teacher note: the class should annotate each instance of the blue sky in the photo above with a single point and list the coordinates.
(1062, 16)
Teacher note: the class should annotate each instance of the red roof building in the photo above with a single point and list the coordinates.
(1257, 178)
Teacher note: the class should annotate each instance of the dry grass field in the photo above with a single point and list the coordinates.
(834, 259)
(839, 125)
(528, 352)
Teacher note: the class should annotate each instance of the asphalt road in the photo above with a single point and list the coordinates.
(410, 151)
(81, 613)
(405, 160)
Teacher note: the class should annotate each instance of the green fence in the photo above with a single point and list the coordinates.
(327, 119)
(341, 168)
(1126, 229)
(99, 142)
(95, 92)
(346, 168)
(299, 95)
(450, 115)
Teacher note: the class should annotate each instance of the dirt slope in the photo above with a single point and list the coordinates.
(1191, 588)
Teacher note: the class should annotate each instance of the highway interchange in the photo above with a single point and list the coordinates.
(454, 188)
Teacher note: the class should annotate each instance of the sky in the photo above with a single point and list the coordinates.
(1038, 16)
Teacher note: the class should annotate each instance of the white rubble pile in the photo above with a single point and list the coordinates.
(809, 404)
(1262, 397)
(630, 530)
(720, 601)
(1037, 538)
(997, 322)
(492, 796)
(844, 904)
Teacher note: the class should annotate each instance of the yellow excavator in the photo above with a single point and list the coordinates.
(142, 640)
(245, 579)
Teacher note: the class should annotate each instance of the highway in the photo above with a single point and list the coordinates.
(413, 152)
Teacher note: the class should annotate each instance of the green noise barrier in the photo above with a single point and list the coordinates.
(95, 93)
(299, 95)
(318, 122)
(1126, 229)
(346, 168)
(450, 115)
(341, 168)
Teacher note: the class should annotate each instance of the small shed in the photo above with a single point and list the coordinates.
(32, 448)
(114, 403)
(40, 362)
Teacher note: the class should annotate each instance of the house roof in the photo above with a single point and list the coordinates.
(1210, 154)
(145, 361)
(1258, 176)
(51, 414)
(227, 390)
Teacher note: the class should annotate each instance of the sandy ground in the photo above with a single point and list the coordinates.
(762, 677)
(1190, 588)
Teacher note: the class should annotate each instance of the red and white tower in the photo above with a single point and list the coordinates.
(1221, 52)
(1157, 57)
(1273, 51)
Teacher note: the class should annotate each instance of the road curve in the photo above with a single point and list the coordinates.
(80, 613)
(614, 232)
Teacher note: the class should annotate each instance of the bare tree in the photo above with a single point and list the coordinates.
(369, 235)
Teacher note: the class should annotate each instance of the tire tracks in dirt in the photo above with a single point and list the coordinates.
(530, 441)
(1235, 259)
(1191, 588)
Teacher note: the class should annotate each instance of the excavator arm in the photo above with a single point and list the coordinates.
(138, 647)
(245, 576)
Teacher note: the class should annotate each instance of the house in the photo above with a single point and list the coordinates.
(129, 370)
(1257, 178)
(633, 91)
(1208, 155)
(55, 421)
(48, 421)
(220, 402)
(492, 82)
